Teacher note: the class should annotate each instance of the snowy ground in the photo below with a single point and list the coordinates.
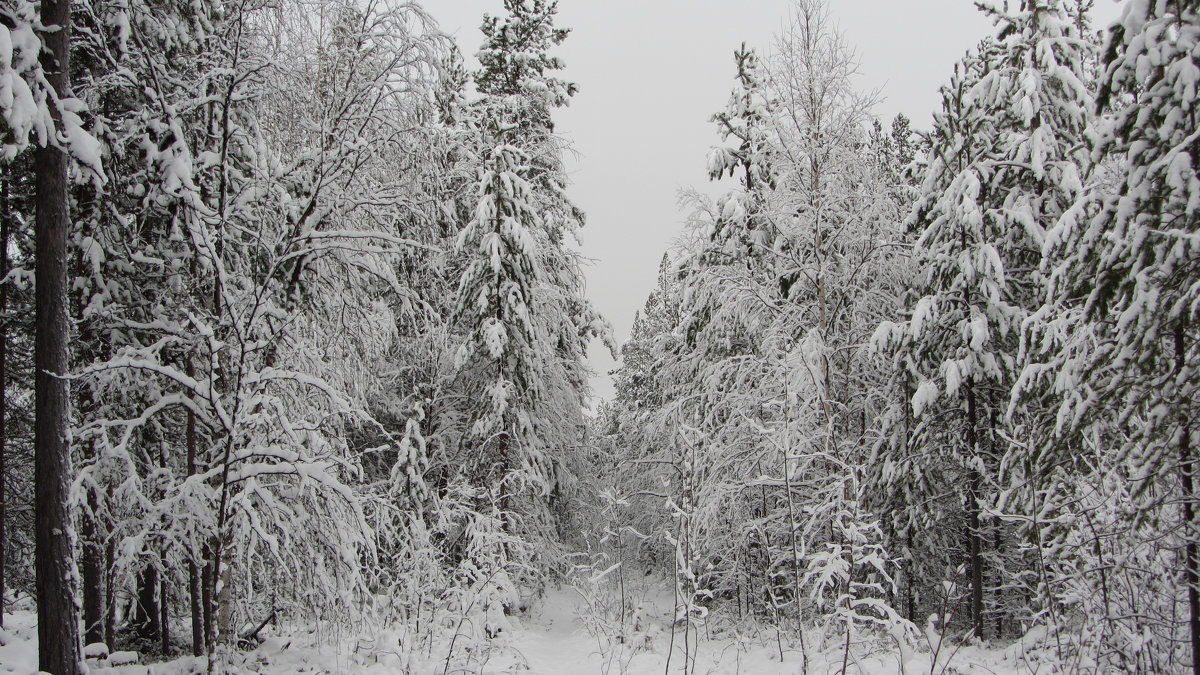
(554, 640)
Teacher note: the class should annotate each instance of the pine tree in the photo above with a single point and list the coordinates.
(1123, 284)
(1004, 165)
(708, 361)
(747, 121)
(58, 629)
(514, 60)
(635, 389)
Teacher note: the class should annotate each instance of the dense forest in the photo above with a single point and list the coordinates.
(294, 333)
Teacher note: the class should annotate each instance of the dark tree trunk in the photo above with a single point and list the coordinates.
(1192, 555)
(93, 577)
(110, 591)
(193, 569)
(164, 632)
(910, 598)
(998, 591)
(4, 234)
(1187, 482)
(164, 616)
(909, 564)
(208, 596)
(196, 608)
(990, 460)
(505, 467)
(58, 615)
(974, 541)
(146, 617)
(93, 533)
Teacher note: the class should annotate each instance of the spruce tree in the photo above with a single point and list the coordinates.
(526, 344)
(495, 300)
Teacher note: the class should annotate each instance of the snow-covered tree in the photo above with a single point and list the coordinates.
(515, 60)
(1120, 330)
(38, 111)
(235, 290)
(753, 437)
(520, 300)
(1004, 163)
(504, 347)
(747, 122)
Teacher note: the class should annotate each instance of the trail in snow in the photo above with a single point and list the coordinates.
(556, 640)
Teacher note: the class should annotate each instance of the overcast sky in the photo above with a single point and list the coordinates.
(652, 72)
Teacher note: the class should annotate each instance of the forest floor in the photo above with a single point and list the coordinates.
(558, 638)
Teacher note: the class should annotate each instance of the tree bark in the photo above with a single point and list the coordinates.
(110, 589)
(58, 614)
(974, 542)
(146, 618)
(505, 497)
(1187, 483)
(193, 568)
(208, 599)
(93, 533)
(163, 615)
(93, 576)
(909, 565)
(164, 631)
(4, 234)
(197, 612)
(910, 598)
(1192, 555)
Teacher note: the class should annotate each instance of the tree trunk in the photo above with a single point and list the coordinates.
(505, 498)
(54, 560)
(110, 589)
(4, 233)
(215, 581)
(998, 591)
(197, 612)
(147, 614)
(1187, 481)
(163, 615)
(909, 564)
(93, 533)
(164, 630)
(910, 598)
(193, 569)
(974, 542)
(1192, 555)
(208, 598)
(224, 611)
(998, 568)
(146, 617)
(93, 576)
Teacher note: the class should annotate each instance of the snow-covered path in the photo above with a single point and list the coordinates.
(553, 640)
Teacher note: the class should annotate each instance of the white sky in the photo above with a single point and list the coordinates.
(652, 72)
